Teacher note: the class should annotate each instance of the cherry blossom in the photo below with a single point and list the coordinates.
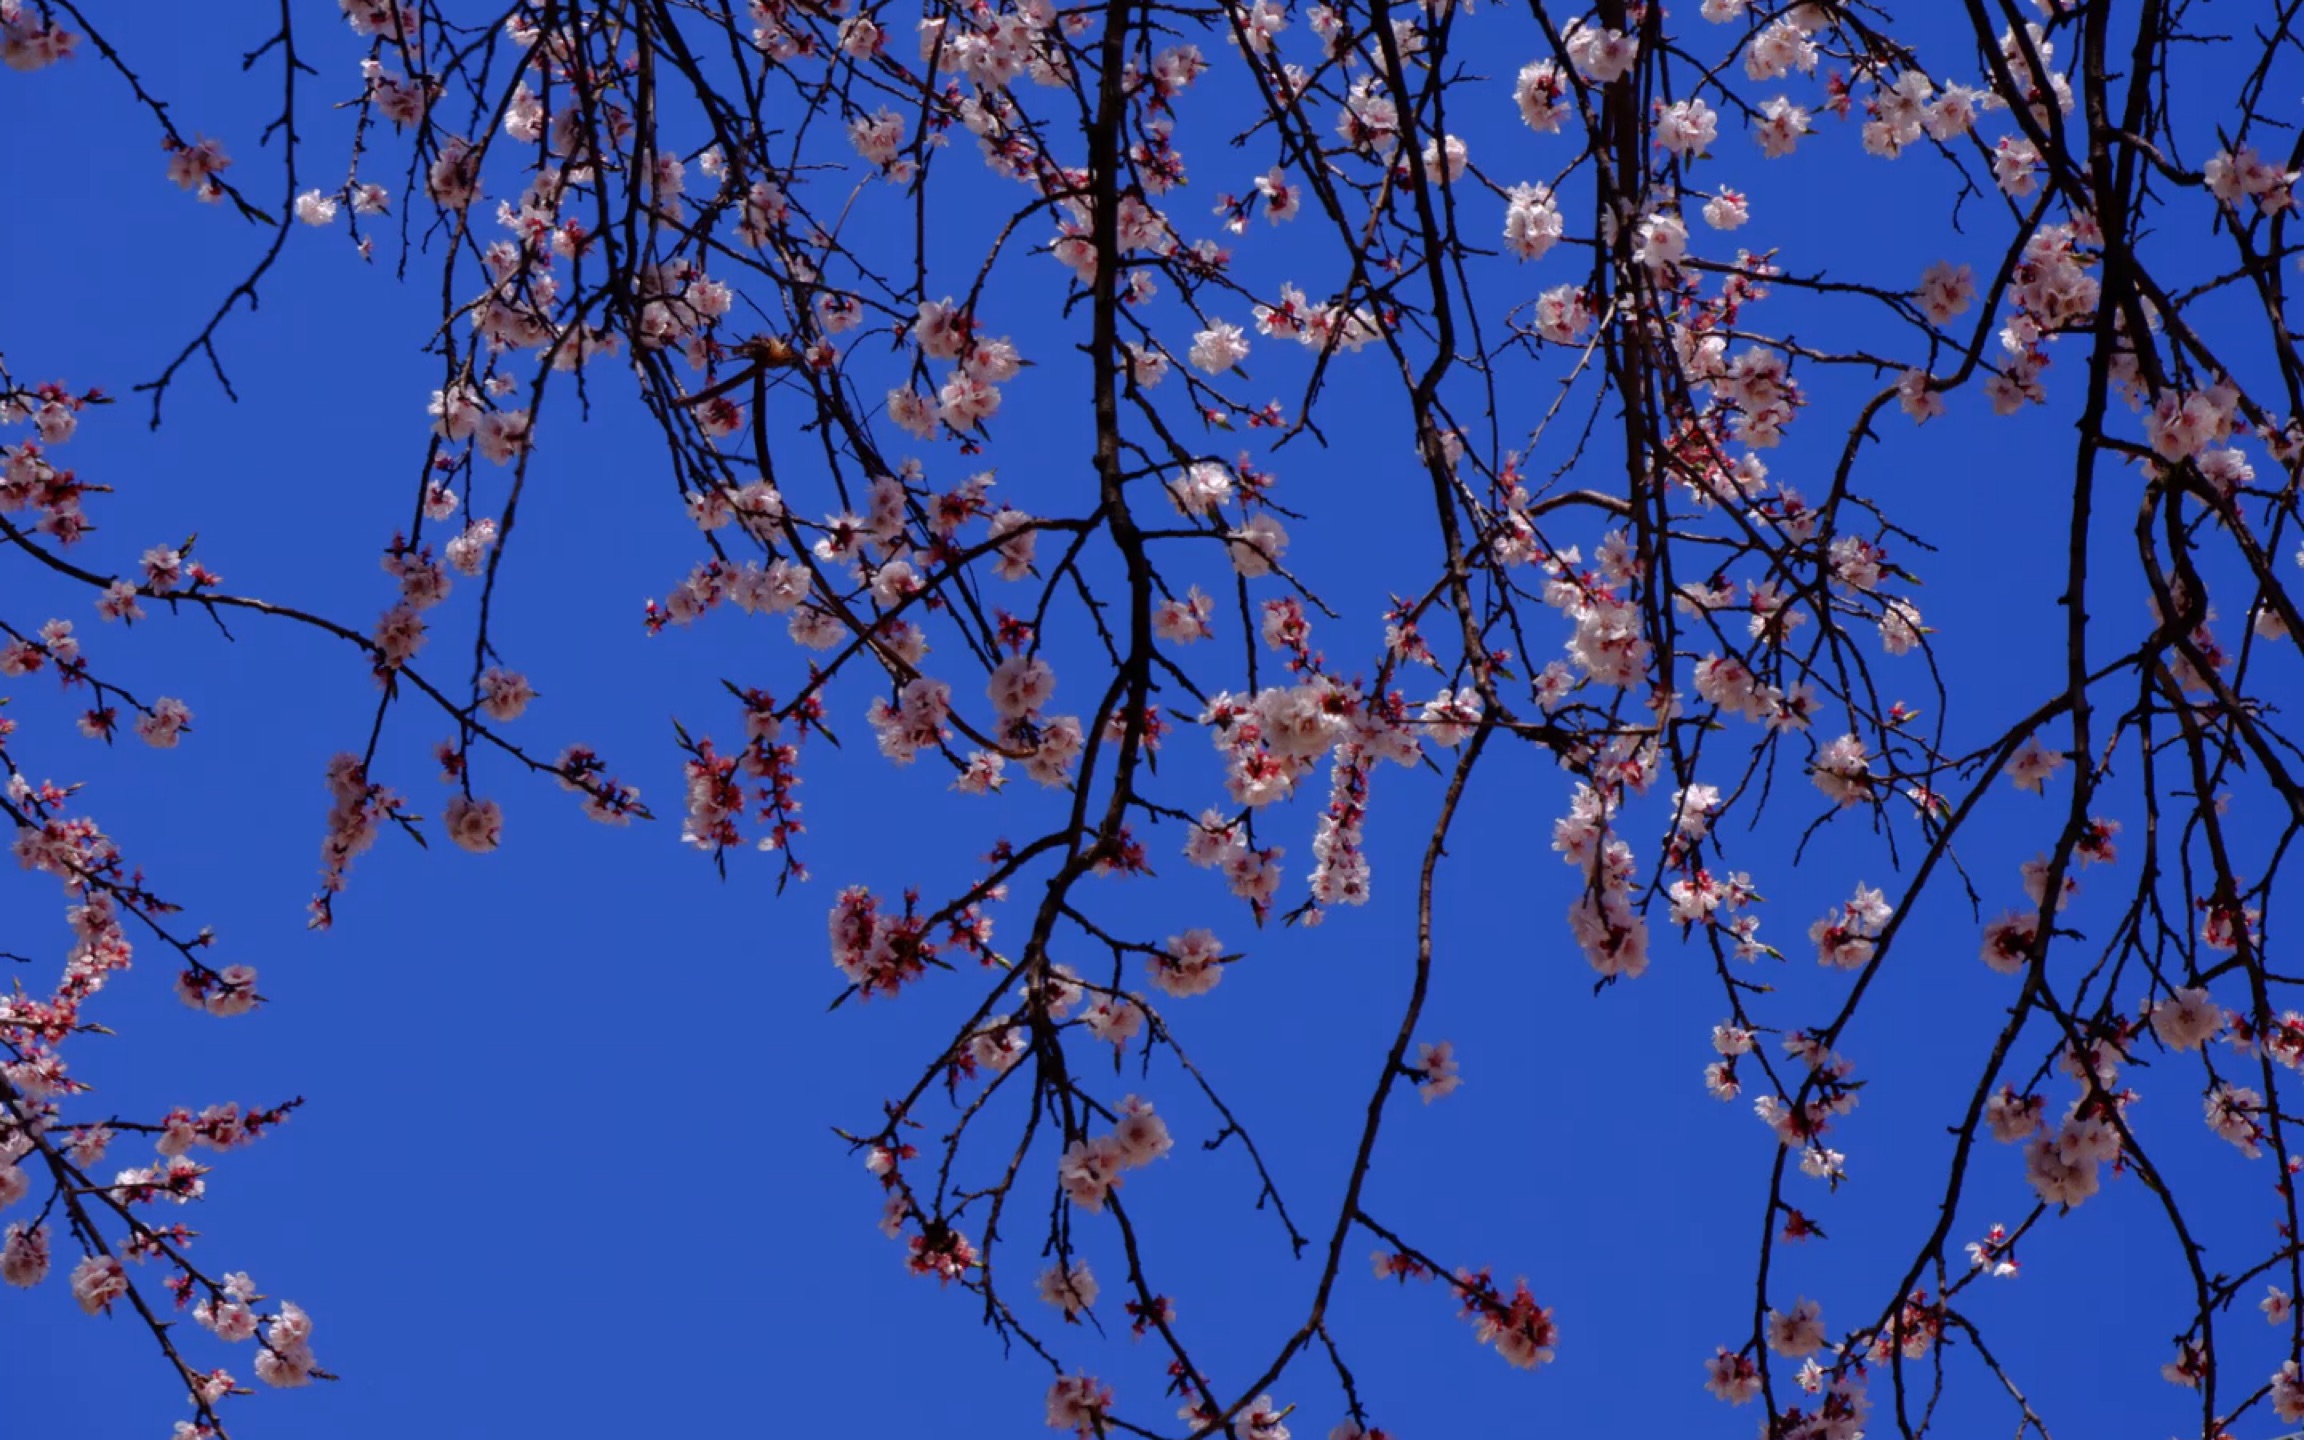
(1733, 1378)
(1673, 565)
(475, 825)
(97, 1281)
(1071, 1290)
(1797, 1332)
(2288, 1392)
(1436, 1072)
(1218, 348)
(1076, 1403)
(2187, 1019)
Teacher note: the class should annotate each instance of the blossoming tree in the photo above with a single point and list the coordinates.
(1643, 521)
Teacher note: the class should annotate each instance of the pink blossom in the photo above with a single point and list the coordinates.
(1602, 55)
(2288, 1392)
(1686, 127)
(1077, 1403)
(1532, 222)
(1798, 1332)
(24, 1255)
(1020, 685)
(1731, 1377)
(1541, 91)
(97, 1281)
(1842, 771)
(1090, 1171)
(475, 825)
(1141, 1135)
(1782, 124)
(1218, 348)
(1071, 1290)
(1436, 1072)
(195, 167)
(504, 694)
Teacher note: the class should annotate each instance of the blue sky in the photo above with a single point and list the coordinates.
(566, 1163)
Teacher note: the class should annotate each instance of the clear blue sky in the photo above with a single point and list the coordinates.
(566, 1165)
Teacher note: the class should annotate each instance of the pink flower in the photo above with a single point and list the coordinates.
(24, 1255)
(1686, 127)
(2062, 1166)
(504, 694)
(941, 1251)
(1563, 314)
(1782, 123)
(1730, 1377)
(1262, 1420)
(2008, 942)
(454, 178)
(502, 434)
(1541, 92)
(2231, 1112)
(1141, 1136)
(1946, 291)
(1218, 348)
(1076, 1403)
(398, 636)
(1436, 1073)
(1990, 1254)
(1602, 55)
(1728, 210)
(1663, 241)
(1257, 545)
(966, 401)
(1447, 159)
(286, 1368)
(1020, 685)
(1843, 771)
(1192, 966)
(1522, 1331)
(456, 412)
(97, 1281)
(2288, 1393)
(1451, 716)
(475, 825)
(1919, 399)
(1114, 1020)
(2239, 174)
(2187, 1019)
(1070, 1290)
(160, 726)
(118, 602)
(230, 1320)
(1090, 1170)
(1184, 621)
(1532, 222)
(878, 138)
(2013, 1117)
(1203, 489)
(195, 167)
(234, 992)
(27, 43)
(2031, 766)
(1801, 1332)
(1845, 936)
